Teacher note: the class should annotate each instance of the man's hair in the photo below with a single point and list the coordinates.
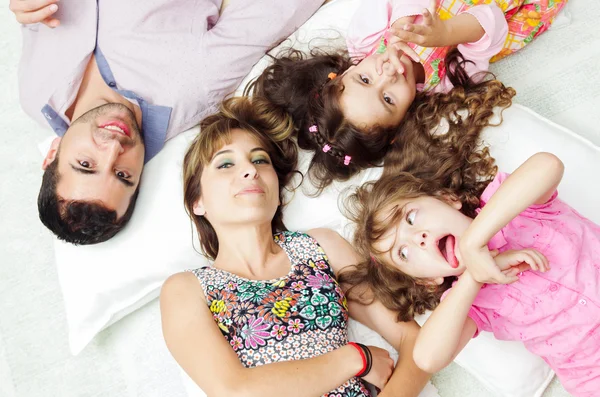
(76, 221)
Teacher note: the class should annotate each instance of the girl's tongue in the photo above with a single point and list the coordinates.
(447, 248)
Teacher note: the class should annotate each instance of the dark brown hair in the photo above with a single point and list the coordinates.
(299, 85)
(268, 124)
(454, 169)
(76, 221)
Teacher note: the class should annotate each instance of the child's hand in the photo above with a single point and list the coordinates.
(513, 262)
(481, 265)
(432, 32)
(393, 53)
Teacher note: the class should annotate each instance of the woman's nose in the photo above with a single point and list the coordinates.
(250, 172)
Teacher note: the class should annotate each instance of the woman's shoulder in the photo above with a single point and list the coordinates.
(181, 286)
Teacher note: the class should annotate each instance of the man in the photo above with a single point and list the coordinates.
(115, 79)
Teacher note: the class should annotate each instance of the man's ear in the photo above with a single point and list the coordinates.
(52, 152)
(199, 208)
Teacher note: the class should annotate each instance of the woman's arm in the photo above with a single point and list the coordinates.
(407, 379)
(449, 328)
(200, 349)
(533, 182)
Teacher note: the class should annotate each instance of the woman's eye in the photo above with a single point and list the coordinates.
(403, 253)
(410, 217)
(261, 161)
(387, 99)
(123, 175)
(85, 164)
(225, 165)
(364, 79)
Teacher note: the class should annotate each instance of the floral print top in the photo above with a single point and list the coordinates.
(301, 315)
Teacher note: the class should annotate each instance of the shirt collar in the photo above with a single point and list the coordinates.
(155, 119)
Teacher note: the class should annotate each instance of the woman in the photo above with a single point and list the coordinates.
(271, 293)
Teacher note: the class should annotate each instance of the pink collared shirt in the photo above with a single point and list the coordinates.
(174, 54)
(555, 314)
(374, 17)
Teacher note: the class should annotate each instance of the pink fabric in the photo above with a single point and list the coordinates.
(555, 314)
(374, 17)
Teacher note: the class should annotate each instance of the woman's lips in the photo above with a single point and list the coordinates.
(252, 190)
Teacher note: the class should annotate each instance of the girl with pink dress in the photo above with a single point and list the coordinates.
(526, 268)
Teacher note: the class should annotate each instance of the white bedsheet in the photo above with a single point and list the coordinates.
(556, 76)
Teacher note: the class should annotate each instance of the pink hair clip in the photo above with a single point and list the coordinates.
(313, 128)
(326, 148)
(347, 160)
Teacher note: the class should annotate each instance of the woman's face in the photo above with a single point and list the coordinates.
(239, 184)
(371, 99)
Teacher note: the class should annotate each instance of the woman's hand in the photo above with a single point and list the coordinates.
(432, 32)
(381, 368)
(514, 262)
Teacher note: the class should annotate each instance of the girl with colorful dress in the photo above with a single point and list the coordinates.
(517, 262)
(268, 318)
(405, 64)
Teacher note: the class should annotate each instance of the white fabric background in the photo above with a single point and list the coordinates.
(557, 76)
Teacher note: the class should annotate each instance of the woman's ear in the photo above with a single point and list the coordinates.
(199, 208)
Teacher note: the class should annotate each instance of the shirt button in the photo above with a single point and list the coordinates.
(112, 84)
(582, 302)
(553, 287)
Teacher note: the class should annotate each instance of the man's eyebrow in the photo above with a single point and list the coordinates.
(83, 170)
(91, 172)
(125, 181)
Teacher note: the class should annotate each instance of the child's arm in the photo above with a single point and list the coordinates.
(372, 20)
(533, 182)
(449, 328)
(481, 30)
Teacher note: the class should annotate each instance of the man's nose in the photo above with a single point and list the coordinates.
(112, 150)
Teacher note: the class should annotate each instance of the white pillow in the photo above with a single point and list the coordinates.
(103, 283)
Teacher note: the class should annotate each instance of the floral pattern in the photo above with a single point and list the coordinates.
(301, 315)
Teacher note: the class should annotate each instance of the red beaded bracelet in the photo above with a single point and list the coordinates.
(362, 356)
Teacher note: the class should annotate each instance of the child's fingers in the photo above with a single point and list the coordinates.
(395, 61)
(541, 260)
(411, 53)
(381, 60)
(408, 36)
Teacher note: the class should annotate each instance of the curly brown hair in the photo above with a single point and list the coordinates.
(299, 84)
(453, 168)
(269, 125)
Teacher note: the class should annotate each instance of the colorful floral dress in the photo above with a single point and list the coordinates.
(301, 315)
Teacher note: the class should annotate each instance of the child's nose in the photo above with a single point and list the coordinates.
(421, 238)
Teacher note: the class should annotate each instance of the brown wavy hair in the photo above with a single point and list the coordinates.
(456, 169)
(298, 84)
(268, 124)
